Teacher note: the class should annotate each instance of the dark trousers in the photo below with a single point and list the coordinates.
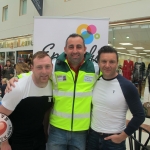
(95, 141)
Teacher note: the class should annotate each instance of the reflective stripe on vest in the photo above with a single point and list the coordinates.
(70, 94)
(66, 115)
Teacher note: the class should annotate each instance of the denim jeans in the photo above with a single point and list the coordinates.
(66, 140)
(96, 141)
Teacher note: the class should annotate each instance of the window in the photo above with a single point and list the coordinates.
(23, 7)
(5, 13)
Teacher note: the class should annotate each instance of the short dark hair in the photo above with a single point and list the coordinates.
(73, 36)
(107, 49)
(40, 54)
(8, 60)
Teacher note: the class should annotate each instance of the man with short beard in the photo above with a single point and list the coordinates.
(27, 106)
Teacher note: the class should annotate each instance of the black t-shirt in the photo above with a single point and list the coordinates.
(29, 104)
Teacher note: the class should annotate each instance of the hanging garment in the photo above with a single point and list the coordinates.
(127, 69)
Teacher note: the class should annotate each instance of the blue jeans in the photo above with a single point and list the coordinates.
(66, 140)
(96, 141)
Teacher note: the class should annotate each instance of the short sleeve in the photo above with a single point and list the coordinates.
(12, 99)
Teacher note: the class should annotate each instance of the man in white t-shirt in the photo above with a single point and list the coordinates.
(28, 106)
(112, 96)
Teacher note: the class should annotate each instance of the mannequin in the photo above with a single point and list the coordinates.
(148, 71)
(138, 73)
(139, 69)
(127, 68)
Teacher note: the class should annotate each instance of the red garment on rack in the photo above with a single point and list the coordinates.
(127, 69)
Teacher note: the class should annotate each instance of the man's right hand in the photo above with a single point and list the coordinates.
(10, 83)
(5, 146)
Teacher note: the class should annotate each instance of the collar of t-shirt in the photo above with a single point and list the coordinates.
(76, 70)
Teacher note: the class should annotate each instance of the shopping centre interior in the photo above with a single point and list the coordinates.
(128, 33)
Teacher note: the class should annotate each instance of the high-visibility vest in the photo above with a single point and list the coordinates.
(72, 98)
(24, 75)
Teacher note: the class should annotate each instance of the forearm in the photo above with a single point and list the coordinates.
(137, 111)
(5, 145)
(134, 124)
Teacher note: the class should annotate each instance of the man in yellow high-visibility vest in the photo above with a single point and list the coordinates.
(73, 80)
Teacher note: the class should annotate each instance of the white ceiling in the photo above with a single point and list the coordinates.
(139, 36)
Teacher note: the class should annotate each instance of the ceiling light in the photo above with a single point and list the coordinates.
(114, 38)
(128, 54)
(122, 53)
(125, 43)
(117, 24)
(146, 50)
(138, 47)
(109, 44)
(120, 48)
(127, 37)
(131, 50)
(142, 53)
(137, 56)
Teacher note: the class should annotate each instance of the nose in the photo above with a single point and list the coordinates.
(75, 50)
(44, 70)
(107, 64)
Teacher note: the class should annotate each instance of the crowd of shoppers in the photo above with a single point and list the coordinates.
(10, 70)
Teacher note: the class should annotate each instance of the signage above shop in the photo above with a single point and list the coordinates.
(16, 43)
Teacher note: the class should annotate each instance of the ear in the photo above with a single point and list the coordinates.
(65, 49)
(31, 67)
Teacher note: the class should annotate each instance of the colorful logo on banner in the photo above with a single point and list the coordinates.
(88, 32)
(5, 127)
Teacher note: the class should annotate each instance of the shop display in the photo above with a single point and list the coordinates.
(138, 74)
(23, 56)
(127, 69)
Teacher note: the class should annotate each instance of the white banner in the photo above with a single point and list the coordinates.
(50, 34)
